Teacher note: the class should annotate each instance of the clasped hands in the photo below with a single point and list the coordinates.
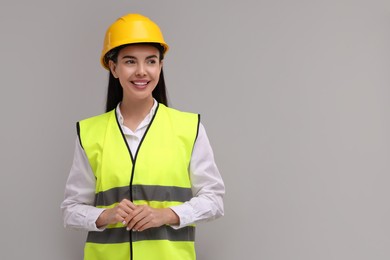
(137, 217)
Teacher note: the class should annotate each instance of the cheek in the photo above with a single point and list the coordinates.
(125, 73)
(156, 72)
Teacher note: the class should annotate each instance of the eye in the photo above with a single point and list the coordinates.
(151, 61)
(130, 61)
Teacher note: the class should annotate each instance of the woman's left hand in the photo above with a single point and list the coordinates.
(144, 217)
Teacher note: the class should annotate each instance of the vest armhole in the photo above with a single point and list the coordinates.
(196, 135)
(78, 133)
(197, 129)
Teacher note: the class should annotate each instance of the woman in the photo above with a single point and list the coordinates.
(143, 174)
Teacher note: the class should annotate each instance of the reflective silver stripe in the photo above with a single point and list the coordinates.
(109, 197)
(143, 192)
(161, 193)
(121, 235)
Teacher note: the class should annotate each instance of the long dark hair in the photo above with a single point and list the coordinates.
(115, 91)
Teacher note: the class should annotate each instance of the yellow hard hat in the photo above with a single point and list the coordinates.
(131, 28)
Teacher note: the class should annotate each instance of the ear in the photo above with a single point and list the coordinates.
(161, 64)
(112, 67)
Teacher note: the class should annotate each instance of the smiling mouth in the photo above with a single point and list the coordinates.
(142, 84)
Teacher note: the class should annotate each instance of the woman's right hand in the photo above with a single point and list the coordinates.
(116, 214)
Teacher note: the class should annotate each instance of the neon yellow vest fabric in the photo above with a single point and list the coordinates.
(156, 175)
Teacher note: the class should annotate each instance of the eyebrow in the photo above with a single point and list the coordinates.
(132, 57)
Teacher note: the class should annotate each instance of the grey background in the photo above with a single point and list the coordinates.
(294, 96)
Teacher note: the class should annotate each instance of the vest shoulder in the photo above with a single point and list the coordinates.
(183, 122)
(98, 118)
(176, 112)
(91, 129)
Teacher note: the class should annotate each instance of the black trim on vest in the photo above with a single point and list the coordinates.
(133, 159)
(197, 133)
(143, 137)
(139, 147)
(124, 138)
(128, 233)
(197, 128)
(78, 134)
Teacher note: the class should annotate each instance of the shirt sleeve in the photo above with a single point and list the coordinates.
(77, 207)
(207, 186)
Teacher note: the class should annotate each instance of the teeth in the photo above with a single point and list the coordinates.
(140, 83)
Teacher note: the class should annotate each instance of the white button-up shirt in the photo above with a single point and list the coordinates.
(207, 185)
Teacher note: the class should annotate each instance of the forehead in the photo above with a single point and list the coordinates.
(139, 50)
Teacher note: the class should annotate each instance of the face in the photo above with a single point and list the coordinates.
(138, 69)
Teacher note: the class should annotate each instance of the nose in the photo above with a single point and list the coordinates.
(140, 72)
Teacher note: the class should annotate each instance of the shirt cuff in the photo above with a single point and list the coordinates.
(92, 216)
(185, 213)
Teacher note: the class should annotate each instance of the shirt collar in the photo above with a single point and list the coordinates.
(146, 120)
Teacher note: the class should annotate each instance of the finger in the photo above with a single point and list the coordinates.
(129, 219)
(138, 214)
(127, 206)
(144, 223)
(117, 215)
(114, 215)
(122, 212)
(130, 204)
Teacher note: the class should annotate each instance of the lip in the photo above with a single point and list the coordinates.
(140, 84)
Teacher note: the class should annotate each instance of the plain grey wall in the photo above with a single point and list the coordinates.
(294, 96)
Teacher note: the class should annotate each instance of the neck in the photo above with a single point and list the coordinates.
(134, 112)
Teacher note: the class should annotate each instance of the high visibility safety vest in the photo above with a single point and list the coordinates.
(157, 175)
